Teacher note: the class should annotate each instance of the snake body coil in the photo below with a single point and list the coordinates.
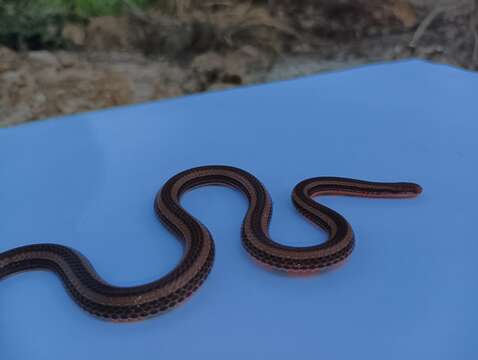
(139, 302)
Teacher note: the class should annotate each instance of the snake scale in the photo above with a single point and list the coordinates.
(138, 302)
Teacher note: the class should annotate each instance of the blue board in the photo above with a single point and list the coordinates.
(409, 290)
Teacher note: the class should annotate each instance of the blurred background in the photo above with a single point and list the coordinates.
(60, 57)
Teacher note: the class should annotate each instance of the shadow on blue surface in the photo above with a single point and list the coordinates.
(409, 289)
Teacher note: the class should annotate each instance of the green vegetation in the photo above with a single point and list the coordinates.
(95, 7)
(38, 23)
(84, 8)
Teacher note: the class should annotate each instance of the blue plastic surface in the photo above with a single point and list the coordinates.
(409, 290)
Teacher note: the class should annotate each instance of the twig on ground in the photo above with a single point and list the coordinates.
(438, 9)
(474, 30)
(425, 24)
(135, 10)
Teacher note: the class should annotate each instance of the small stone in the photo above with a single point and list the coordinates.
(16, 91)
(172, 74)
(39, 103)
(19, 114)
(190, 86)
(70, 106)
(8, 59)
(66, 59)
(208, 62)
(10, 77)
(405, 13)
(75, 34)
(48, 75)
(220, 86)
(43, 59)
(245, 61)
(107, 33)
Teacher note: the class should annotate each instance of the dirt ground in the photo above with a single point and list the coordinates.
(42, 84)
(140, 57)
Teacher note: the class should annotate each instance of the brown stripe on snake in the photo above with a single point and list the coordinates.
(138, 302)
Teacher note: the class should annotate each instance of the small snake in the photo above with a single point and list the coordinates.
(138, 302)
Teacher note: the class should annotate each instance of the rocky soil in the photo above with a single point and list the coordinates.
(123, 60)
(42, 84)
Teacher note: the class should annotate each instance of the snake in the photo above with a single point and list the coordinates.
(125, 304)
